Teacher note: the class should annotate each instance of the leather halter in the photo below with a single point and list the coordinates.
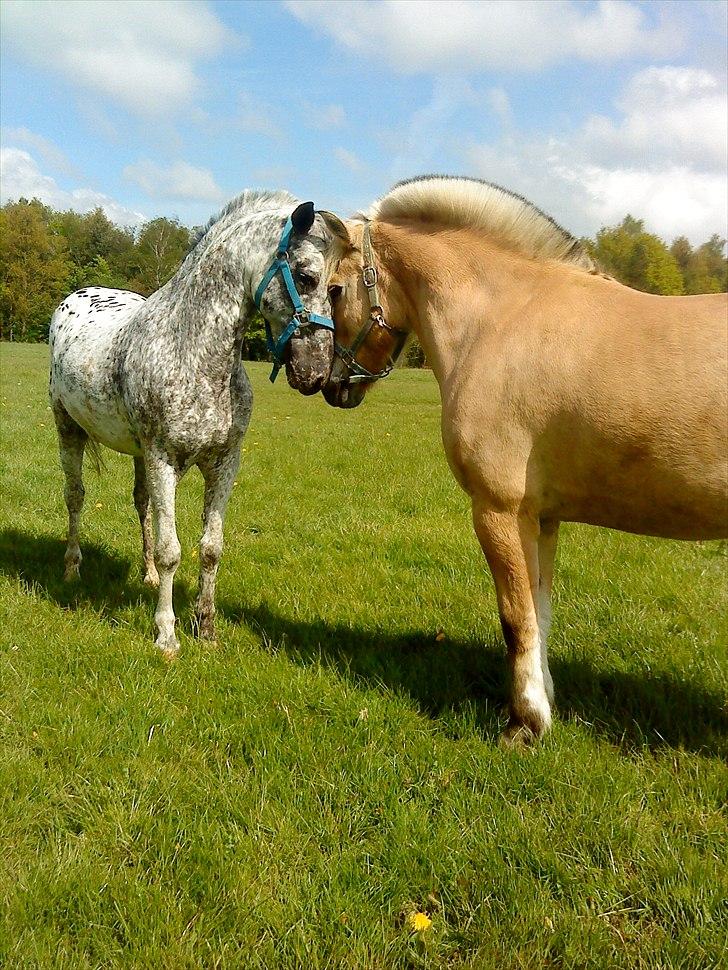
(357, 372)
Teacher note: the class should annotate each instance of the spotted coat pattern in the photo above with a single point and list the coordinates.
(162, 380)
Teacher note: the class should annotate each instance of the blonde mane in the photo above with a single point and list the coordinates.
(470, 203)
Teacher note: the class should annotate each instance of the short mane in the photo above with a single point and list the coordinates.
(464, 202)
(251, 200)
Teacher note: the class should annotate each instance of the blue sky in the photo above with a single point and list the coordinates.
(590, 109)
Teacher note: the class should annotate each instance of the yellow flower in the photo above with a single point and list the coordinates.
(419, 922)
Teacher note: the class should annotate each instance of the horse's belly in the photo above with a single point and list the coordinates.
(103, 423)
(677, 502)
(81, 380)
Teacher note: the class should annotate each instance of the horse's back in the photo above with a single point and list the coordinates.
(84, 350)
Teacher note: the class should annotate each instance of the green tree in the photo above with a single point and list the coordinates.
(638, 258)
(100, 251)
(35, 270)
(255, 345)
(160, 248)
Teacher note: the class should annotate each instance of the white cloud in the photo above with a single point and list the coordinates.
(663, 160)
(673, 201)
(678, 114)
(476, 35)
(349, 160)
(20, 177)
(50, 153)
(178, 181)
(139, 54)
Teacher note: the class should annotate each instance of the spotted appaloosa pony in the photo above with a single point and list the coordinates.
(162, 379)
(565, 395)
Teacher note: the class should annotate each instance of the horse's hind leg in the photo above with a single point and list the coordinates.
(71, 442)
(219, 478)
(510, 544)
(141, 501)
(546, 555)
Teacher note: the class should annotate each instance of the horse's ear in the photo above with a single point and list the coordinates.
(336, 227)
(302, 218)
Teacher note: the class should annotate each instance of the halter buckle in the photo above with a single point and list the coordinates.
(369, 274)
(302, 317)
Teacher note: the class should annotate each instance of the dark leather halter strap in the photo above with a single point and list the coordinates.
(357, 372)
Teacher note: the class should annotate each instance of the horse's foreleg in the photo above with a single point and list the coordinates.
(219, 478)
(141, 501)
(547, 541)
(510, 544)
(162, 484)
(71, 442)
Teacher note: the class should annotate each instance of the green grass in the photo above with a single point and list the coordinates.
(287, 797)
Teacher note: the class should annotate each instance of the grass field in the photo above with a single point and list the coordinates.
(290, 796)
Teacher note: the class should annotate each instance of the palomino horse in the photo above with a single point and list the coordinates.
(162, 379)
(565, 395)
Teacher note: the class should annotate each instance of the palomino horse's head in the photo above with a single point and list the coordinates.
(366, 304)
(293, 299)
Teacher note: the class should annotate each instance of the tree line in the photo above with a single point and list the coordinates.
(46, 254)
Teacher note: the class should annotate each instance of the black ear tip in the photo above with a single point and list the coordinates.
(302, 217)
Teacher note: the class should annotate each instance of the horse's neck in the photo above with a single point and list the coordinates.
(452, 286)
(210, 302)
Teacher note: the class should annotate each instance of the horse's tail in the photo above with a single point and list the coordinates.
(93, 448)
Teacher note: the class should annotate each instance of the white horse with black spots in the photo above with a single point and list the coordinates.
(162, 379)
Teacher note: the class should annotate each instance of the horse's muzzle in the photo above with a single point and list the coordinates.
(309, 356)
(344, 395)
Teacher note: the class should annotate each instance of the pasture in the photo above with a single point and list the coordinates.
(293, 794)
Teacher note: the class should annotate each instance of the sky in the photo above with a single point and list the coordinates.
(166, 107)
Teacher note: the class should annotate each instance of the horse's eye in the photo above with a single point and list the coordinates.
(335, 292)
(308, 281)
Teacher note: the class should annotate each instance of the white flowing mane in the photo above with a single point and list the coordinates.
(463, 202)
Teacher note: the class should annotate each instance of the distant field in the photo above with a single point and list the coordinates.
(290, 796)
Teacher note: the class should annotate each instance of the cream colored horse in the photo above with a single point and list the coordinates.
(565, 395)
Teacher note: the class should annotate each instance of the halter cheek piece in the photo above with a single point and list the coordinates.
(301, 316)
(357, 372)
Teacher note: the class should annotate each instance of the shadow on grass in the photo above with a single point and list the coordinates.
(108, 584)
(629, 709)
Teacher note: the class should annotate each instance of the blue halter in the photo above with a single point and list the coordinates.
(301, 316)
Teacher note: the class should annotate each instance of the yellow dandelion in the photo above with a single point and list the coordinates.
(419, 922)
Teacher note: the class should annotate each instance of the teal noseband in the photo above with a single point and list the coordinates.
(301, 316)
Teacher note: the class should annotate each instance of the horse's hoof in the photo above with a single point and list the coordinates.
(526, 726)
(169, 648)
(152, 579)
(517, 737)
(72, 573)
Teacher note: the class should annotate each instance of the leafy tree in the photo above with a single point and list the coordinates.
(414, 354)
(100, 251)
(34, 270)
(653, 268)
(638, 258)
(255, 345)
(160, 248)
